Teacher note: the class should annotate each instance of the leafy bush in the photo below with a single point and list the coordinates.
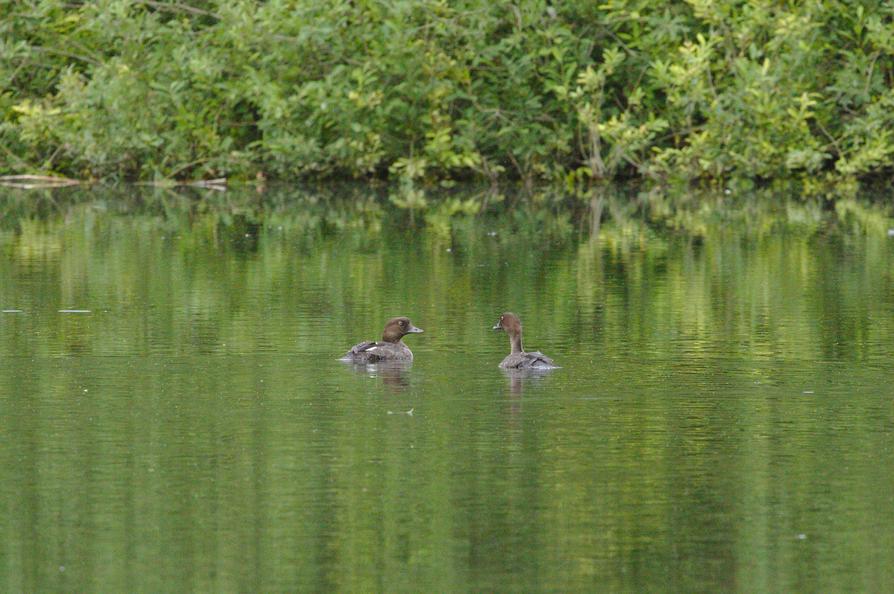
(428, 90)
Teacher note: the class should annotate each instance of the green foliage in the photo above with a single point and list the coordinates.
(432, 90)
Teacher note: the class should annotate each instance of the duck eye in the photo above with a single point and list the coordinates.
(403, 323)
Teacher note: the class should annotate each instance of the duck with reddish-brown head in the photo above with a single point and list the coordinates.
(390, 348)
(518, 358)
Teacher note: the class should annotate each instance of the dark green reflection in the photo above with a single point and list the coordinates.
(722, 419)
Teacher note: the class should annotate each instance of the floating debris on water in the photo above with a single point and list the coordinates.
(74, 311)
(12, 311)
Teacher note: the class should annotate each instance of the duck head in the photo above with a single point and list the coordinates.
(510, 324)
(397, 328)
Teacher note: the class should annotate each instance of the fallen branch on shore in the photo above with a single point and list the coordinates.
(31, 182)
(219, 184)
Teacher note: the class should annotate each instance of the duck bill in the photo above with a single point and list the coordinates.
(414, 330)
(497, 326)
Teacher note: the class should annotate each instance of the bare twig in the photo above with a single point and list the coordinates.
(828, 135)
(51, 50)
(180, 8)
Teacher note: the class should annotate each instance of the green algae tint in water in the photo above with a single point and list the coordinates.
(722, 420)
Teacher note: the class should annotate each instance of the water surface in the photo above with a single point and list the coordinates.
(173, 416)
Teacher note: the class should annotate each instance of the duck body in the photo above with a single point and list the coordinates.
(524, 360)
(376, 351)
(518, 358)
(390, 348)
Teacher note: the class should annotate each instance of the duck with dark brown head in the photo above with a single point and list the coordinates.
(390, 348)
(518, 358)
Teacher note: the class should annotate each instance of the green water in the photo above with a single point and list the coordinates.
(722, 420)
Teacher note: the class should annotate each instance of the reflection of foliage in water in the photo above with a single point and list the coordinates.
(735, 289)
(618, 216)
(708, 259)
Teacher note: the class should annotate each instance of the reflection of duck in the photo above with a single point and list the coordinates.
(394, 374)
(390, 348)
(518, 358)
(516, 380)
(521, 377)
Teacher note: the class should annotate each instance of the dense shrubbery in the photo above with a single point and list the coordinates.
(433, 89)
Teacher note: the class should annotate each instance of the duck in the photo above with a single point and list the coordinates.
(390, 348)
(518, 358)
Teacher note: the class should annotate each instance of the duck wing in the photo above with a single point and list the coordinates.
(538, 359)
(363, 346)
(360, 352)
